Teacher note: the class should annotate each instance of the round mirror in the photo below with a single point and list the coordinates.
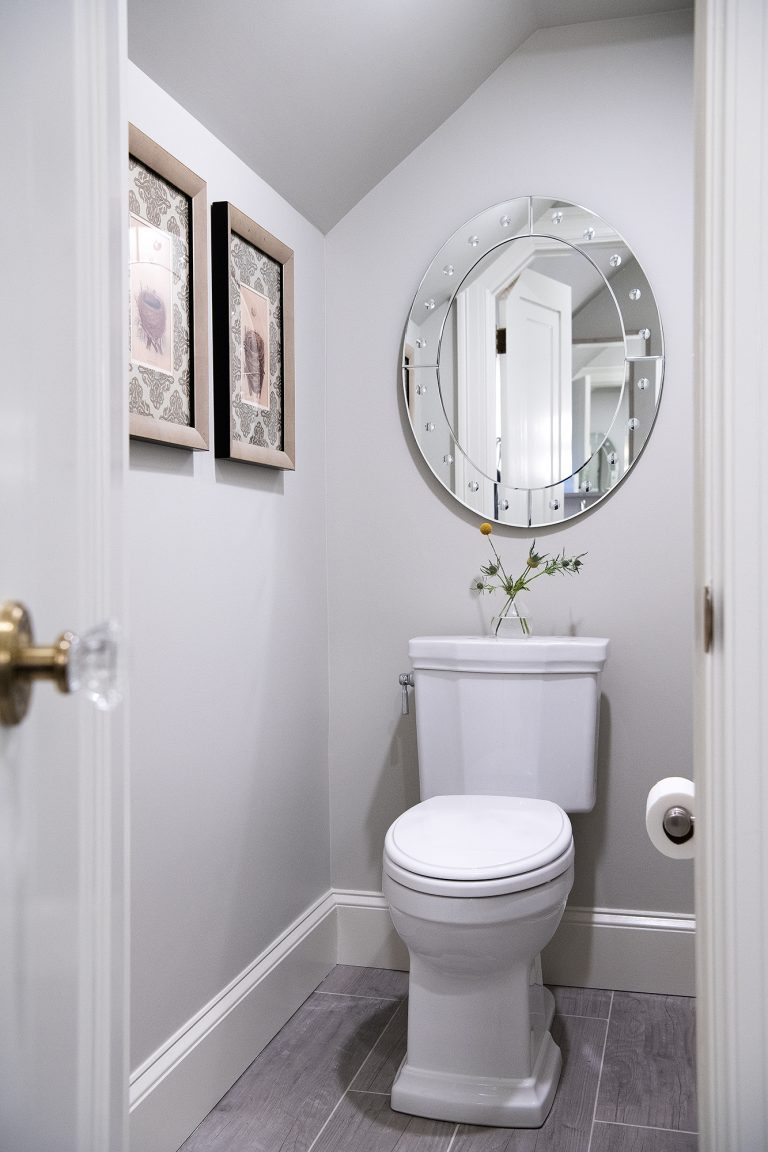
(533, 362)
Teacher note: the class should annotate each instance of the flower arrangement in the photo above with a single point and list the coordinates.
(535, 565)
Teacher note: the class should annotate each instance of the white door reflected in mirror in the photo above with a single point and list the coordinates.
(535, 385)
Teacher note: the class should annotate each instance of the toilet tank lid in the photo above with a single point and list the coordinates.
(529, 654)
(478, 837)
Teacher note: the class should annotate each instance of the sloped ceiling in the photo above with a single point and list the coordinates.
(324, 97)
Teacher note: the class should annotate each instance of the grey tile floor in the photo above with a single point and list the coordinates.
(322, 1084)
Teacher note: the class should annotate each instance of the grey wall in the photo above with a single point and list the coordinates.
(232, 657)
(228, 659)
(600, 115)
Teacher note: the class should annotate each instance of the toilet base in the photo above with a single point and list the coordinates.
(502, 1103)
(479, 1049)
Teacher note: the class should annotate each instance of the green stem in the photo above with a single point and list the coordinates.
(536, 575)
(521, 583)
(498, 559)
(501, 615)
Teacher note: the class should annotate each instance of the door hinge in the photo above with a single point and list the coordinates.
(708, 618)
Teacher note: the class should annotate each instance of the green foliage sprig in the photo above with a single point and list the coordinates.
(537, 564)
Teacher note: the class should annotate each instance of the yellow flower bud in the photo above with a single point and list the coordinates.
(486, 529)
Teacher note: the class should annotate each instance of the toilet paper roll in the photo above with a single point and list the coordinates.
(672, 792)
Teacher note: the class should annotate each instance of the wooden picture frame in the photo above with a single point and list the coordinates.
(253, 352)
(168, 341)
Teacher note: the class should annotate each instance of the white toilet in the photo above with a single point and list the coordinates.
(477, 874)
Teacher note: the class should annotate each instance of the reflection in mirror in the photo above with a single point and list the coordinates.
(532, 362)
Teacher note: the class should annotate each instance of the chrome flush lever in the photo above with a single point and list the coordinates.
(405, 680)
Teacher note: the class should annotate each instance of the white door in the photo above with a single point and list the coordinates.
(63, 1076)
(732, 537)
(536, 390)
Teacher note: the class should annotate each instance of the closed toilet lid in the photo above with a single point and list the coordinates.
(472, 838)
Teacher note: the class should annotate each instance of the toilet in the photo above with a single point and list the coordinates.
(477, 874)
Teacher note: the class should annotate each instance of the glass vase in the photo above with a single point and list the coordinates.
(512, 622)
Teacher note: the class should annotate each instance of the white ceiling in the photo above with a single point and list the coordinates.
(324, 97)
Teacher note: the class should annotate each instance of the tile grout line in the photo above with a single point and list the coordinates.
(577, 1016)
(373, 1048)
(331, 1114)
(648, 1127)
(600, 1075)
(453, 1139)
(360, 996)
(371, 1092)
(329, 1117)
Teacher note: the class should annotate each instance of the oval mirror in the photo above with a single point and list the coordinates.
(533, 362)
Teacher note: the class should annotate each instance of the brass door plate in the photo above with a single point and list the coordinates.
(21, 662)
(15, 636)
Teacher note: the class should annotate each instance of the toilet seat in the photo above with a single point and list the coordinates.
(468, 846)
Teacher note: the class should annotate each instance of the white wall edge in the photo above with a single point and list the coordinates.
(98, 50)
(185, 1077)
(620, 918)
(359, 898)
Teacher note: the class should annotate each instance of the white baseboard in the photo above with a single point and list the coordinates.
(366, 935)
(631, 951)
(177, 1086)
(592, 948)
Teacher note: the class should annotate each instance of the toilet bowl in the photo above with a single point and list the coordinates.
(477, 886)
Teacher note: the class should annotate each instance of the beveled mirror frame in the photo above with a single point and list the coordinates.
(439, 435)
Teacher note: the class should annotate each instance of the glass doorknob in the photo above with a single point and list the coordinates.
(86, 663)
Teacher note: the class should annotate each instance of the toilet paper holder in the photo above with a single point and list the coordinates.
(678, 824)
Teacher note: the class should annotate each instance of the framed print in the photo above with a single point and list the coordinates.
(167, 344)
(253, 373)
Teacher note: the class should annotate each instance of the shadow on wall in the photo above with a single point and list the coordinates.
(238, 475)
(397, 786)
(590, 829)
(144, 456)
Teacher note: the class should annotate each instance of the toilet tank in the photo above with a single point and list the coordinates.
(508, 717)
